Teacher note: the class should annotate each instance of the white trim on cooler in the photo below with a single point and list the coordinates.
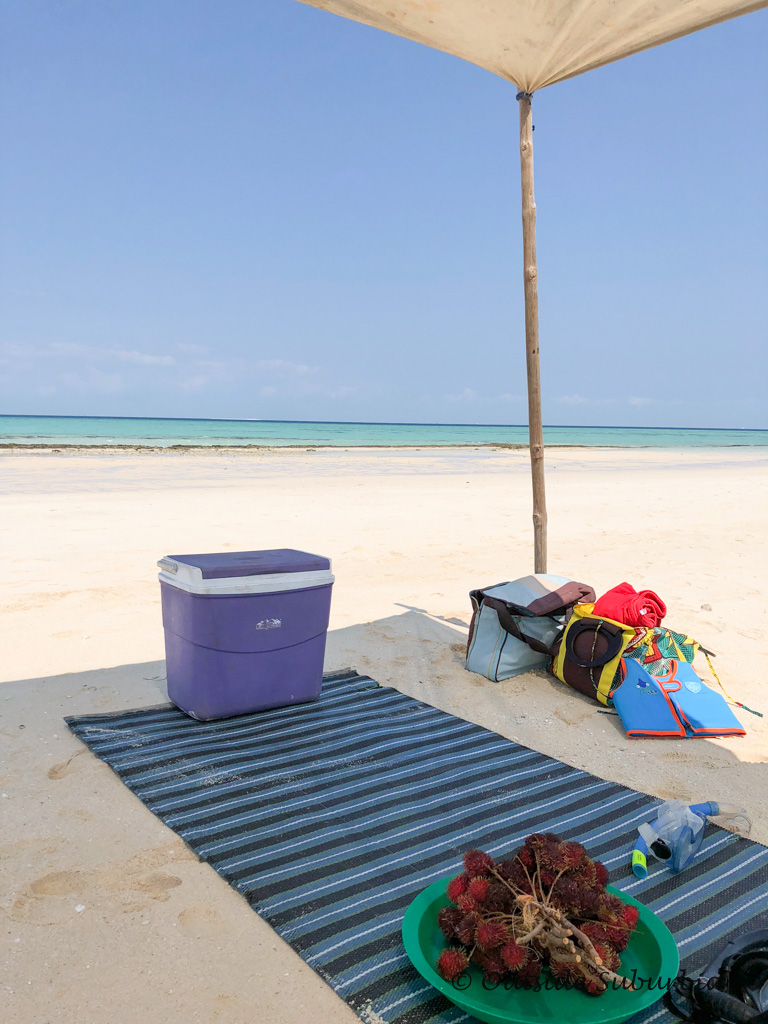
(190, 578)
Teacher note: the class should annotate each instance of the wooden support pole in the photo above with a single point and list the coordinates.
(530, 278)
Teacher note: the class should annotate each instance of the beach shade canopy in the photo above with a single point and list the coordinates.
(534, 43)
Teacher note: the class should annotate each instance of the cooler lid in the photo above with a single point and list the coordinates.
(229, 564)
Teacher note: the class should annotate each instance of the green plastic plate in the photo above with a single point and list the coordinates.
(652, 952)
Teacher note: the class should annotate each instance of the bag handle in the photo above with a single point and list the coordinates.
(613, 633)
(507, 622)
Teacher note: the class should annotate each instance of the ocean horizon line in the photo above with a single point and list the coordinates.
(367, 423)
(175, 432)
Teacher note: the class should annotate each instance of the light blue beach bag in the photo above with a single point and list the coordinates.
(515, 625)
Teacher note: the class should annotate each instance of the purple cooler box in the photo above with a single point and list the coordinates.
(244, 630)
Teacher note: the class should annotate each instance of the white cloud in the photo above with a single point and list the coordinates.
(636, 400)
(284, 368)
(124, 355)
(194, 383)
(208, 371)
(572, 399)
(69, 348)
(186, 367)
(93, 380)
(19, 349)
(217, 365)
(467, 395)
(192, 350)
(141, 358)
(341, 392)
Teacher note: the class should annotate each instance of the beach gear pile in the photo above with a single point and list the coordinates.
(613, 649)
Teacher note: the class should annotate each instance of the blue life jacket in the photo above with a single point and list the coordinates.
(675, 704)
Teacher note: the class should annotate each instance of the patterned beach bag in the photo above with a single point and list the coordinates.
(515, 625)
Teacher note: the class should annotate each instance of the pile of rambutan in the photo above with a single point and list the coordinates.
(545, 906)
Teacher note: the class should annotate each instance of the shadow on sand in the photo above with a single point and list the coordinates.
(422, 655)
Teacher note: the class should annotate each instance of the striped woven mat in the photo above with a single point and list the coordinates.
(330, 817)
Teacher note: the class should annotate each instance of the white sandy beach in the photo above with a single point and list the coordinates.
(107, 917)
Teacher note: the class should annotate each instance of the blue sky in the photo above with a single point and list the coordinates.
(251, 208)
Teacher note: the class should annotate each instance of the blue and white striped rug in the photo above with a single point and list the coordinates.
(330, 817)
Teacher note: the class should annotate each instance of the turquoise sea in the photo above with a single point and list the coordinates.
(164, 433)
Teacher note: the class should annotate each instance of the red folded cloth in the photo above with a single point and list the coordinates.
(632, 607)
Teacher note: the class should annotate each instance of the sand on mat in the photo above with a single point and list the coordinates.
(107, 917)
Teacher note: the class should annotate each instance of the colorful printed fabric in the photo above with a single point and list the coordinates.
(656, 648)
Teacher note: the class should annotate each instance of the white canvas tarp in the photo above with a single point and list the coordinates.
(534, 43)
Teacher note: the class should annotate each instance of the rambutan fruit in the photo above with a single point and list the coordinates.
(614, 902)
(498, 898)
(618, 936)
(457, 887)
(490, 963)
(601, 873)
(477, 863)
(566, 895)
(494, 978)
(574, 855)
(630, 916)
(592, 986)
(467, 903)
(564, 971)
(595, 931)
(589, 902)
(447, 919)
(535, 840)
(491, 934)
(466, 929)
(587, 875)
(514, 956)
(452, 963)
(608, 955)
(506, 868)
(526, 857)
(547, 878)
(552, 857)
(478, 889)
(610, 908)
(529, 973)
(514, 871)
(574, 885)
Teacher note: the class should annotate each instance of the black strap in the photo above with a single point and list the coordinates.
(614, 638)
(508, 623)
(727, 1007)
